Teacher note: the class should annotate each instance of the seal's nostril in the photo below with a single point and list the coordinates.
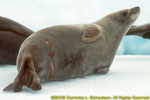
(138, 8)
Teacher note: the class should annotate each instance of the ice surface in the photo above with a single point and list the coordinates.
(129, 75)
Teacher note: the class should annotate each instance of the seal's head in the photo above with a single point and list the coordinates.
(126, 16)
(116, 24)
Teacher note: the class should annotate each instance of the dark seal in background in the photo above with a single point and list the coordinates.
(12, 34)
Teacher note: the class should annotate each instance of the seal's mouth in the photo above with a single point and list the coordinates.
(134, 13)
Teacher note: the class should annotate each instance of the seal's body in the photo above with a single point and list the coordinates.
(69, 51)
(12, 34)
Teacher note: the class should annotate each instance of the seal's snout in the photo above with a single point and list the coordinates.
(138, 8)
(134, 13)
(135, 10)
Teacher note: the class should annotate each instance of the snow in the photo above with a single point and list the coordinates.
(128, 76)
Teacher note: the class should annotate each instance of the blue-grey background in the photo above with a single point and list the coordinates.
(38, 14)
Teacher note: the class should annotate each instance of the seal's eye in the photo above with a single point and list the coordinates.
(125, 13)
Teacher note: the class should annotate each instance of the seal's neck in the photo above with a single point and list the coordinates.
(113, 32)
(113, 28)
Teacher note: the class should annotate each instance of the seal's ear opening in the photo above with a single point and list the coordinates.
(91, 33)
(27, 76)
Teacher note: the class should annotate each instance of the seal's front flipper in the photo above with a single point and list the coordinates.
(9, 87)
(92, 33)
